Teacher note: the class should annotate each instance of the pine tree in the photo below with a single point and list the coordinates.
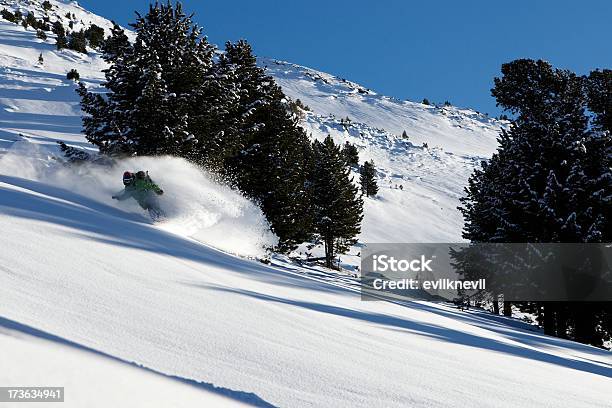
(550, 180)
(275, 173)
(263, 148)
(404, 135)
(7, 15)
(338, 210)
(260, 99)
(60, 32)
(164, 97)
(599, 94)
(46, 5)
(95, 36)
(367, 178)
(78, 42)
(41, 34)
(115, 45)
(31, 20)
(350, 154)
(73, 75)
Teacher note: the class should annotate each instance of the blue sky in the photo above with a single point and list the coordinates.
(442, 50)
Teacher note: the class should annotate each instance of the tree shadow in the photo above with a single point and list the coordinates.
(249, 398)
(435, 331)
(33, 122)
(51, 90)
(517, 331)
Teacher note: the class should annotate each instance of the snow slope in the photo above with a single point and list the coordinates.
(46, 359)
(170, 304)
(431, 181)
(92, 292)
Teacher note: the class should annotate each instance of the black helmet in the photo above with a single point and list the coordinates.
(140, 175)
(127, 178)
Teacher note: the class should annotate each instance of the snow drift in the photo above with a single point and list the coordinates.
(195, 206)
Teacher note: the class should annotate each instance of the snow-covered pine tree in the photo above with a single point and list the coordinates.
(256, 92)
(550, 151)
(108, 116)
(367, 179)
(31, 20)
(266, 153)
(164, 97)
(599, 94)
(550, 179)
(275, 173)
(338, 210)
(115, 45)
(101, 126)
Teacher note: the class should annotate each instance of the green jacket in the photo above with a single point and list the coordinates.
(140, 190)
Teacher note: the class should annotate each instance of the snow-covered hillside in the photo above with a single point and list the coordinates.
(86, 274)
(458, 131)
(60, 10)
(423, 174)
(92, 292)
(414, 180)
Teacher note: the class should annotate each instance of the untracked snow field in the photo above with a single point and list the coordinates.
(121, 311)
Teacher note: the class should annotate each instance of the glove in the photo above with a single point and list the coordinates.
(114, 197)
(160, 192)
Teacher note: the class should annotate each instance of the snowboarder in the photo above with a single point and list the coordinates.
(141, 188)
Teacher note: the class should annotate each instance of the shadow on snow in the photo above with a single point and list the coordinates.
(242, 396)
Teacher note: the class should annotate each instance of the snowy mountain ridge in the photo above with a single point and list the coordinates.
(457, 130)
